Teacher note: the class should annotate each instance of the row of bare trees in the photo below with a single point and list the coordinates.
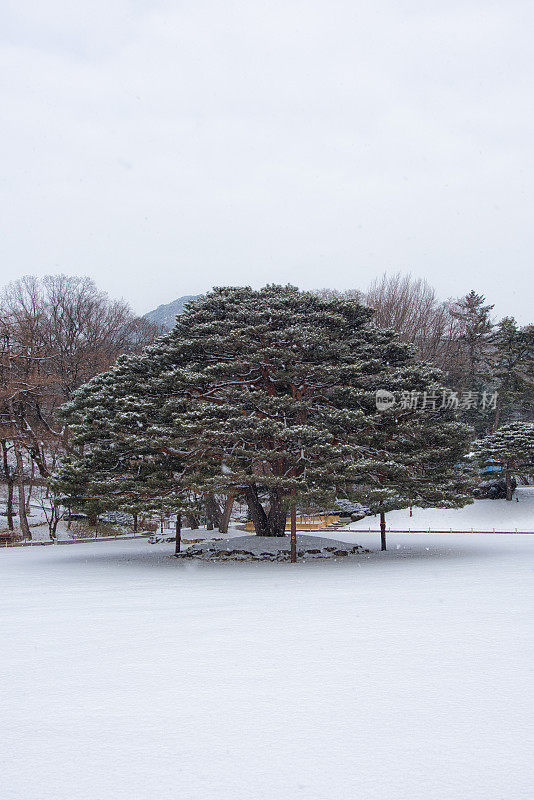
(411, 307)
(56, 332)
(460, 337)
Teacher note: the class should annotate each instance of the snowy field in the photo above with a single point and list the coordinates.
(481, 515)
(127, 674)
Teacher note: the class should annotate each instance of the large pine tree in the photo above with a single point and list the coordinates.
(271, 395)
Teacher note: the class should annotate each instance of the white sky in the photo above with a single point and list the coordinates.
(164, 147)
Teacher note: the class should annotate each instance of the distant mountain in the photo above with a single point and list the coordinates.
(166, 315)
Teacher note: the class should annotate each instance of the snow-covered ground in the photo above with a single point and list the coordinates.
(406, 675)
(481, 515)
(264, 548)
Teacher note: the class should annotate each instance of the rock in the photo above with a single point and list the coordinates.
(256, 549)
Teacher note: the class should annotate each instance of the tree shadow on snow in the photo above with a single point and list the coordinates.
(399, 549)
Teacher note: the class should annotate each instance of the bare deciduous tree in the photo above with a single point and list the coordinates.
(410, 306)
(55, 334)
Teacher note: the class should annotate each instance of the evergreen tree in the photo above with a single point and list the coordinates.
(476, 337)
(115, 474)
(417, 460)
(513, 446)
(471, 368)
(270, 395)
(513, 370)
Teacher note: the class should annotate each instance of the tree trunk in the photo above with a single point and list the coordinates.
(23, 520)
(30, 489)
(257, 513)
(509, 488)
(53, 522)
(9, 504)
(178, 540)
(277, 514)
(10, 484)
(193, 521)
(213, 512)
(271, 524)
(225, 516)
(293, 557)
(383, 531)
(134, 523)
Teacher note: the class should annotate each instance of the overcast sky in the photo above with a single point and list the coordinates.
(164, 147)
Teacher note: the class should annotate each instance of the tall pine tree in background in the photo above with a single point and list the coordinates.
(513, 371)
(472, 366)
(270, 395)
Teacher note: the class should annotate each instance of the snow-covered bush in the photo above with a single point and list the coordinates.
(494, 489)
(349, 508)
(116, 518)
